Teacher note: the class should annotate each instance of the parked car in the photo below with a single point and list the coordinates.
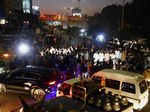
(33, 80)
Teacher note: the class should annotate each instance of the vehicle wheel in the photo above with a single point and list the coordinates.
(3, 89)
(38, 94)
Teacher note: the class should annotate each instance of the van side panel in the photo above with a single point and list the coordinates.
(128, 86)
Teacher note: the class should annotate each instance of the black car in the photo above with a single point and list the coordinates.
(32, 80)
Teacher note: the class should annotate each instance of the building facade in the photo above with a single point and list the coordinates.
(36, 7)
(68, 21)
(6, 6)
(27, 6)
(76, 12)
(1, 8)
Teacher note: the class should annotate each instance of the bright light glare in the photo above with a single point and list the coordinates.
(6, 55)
(58, 85)
(21, 109)
(100, 38)
(2, 21)
(52, 83)
(36, 8)
(23, 49)
(82, 30)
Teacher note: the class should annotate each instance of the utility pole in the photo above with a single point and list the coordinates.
(121, 26)
(122, 14)
(79, 3)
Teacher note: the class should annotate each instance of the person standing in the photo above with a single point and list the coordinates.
(107, 57)
(101, 58)
(78, 70)
(95, 58)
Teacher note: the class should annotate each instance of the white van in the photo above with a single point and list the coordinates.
(65, 89)
(128, 84)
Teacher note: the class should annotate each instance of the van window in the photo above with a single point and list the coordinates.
(143, 86)
(128, 87)
(112, 84)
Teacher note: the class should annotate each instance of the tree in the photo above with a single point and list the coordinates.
(107, 21)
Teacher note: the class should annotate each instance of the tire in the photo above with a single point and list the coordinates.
(3, 89)
(37, 94)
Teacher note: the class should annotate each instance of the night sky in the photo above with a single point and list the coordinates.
(88, 6)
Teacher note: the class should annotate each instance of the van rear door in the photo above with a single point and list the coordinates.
(112, 85)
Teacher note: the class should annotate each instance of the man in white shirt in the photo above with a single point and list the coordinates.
(113, 58)
(95, 58)
(101, 57)
(86, 56)
(117, 53)
(148, 59)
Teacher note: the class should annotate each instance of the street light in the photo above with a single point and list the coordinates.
(82, 30)
(100, 38)
(23, 49)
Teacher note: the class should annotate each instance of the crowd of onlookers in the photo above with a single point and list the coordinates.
(77, 61)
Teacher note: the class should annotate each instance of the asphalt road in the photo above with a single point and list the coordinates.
(10, 102)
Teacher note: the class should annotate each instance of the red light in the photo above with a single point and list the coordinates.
(52, 83)
(26, 22)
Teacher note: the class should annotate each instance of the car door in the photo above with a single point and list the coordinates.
(32, 77)
(15, 83)
(15, 78)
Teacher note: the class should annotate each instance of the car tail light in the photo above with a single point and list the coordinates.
(52, 83)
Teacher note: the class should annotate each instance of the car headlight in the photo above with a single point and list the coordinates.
(2, 88)
(38, 94)
(47, 90)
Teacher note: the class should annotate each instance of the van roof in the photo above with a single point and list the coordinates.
(72, 81)
(125, 74)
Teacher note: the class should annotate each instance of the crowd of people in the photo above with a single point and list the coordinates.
(78, 62)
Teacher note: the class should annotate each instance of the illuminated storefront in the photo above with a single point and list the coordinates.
(27, 4)
(36, 7)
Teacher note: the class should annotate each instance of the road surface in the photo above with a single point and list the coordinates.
(11, 102)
